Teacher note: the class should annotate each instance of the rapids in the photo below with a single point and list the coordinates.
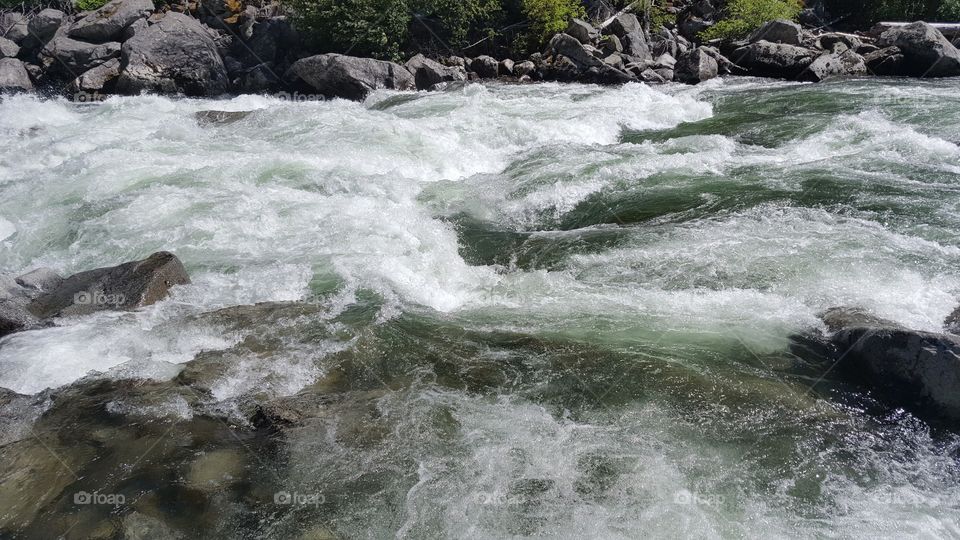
(564, 310)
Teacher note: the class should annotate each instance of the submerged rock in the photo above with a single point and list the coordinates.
(349, 77)
(127, 286)
(206, 118)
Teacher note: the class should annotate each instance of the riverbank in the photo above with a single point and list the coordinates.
(128, 47)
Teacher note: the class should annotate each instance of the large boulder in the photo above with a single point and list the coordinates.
(109, 22)
(629, 31)
(177, 55)
(886, 61)
(66, 58)
(908, 368)
(100, 79)
(846, 63)
(695, 66)
(779, 60)
(127, 286)
(582, 30)
(348, 77)
(14, 26)
(45, 24)
(8, 49)
(13, 76)
(926, 51)
(428, 73)
(568, 46)
(779, 31)
(486, 67)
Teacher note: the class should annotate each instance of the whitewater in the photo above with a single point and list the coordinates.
(546, 310)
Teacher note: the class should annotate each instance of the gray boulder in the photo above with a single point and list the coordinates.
(952, 324)
(40, 280)
(524, 68)
(888, 61)
(347, 77)
(779, 60)
(623, 25)
(846, 63)
(926, 51)
(177, 55)
(505, 68)
(66, 58)
(428, 73)
(778, 31)
(583, 31)
(486, 67)
(13, 76)
(14, 317)
(109, 22)
(695, 66)
(8, 49)
(14, 26)
(45, 24)
(99, 79)
(127, 286)
(568, 46)
(917, 370)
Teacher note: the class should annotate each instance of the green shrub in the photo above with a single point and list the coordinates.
(745, 16)
(950, 10)
(456, 23)
(89, 5)
(547, 17)
(375, 28)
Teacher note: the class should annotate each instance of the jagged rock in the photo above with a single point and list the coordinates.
(427, 73)
(695, 67)
(614, 61)
(175, 55)
(14, 26)
(13, 76)
(8, 49)
(611, 44)
(630, 32)
(952, 324)
(134, 27)
(127, 286)
(723, 63)
(14, 317)
(486, 67)
(108, 22)
(66, 58)
(779, 31)
(583, 31)
(885, 62)
(40, 280)
(570, 48)
(652, 77)
(506, 67)
(45, 24)
(918, 370)
(833, 64)
(524, 68)
(926, 51)
(779, 60)
(348, 77)
(98, 79)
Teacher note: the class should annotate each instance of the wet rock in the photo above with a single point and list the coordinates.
(486, 67)
(847, 63)
(100, 79)
(15, 317)
(505, 69)
(695, 66)
(348, 77)
(14, 26)
(779, 31)
(127, 286)
(40, 280)
(952, 324)
(583, 31)
(176, 55)
(927, 52)
(215, 470)
(8, 49)
(45, 24)
(524, 68)
(428, 73)
(108, 22)
(885, 62)
(139, 526)
(652, 77)
(779, 60)
(206, 118)
(908, 368)
(13, 76)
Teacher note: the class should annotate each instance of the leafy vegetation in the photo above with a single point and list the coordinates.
(547, 17)
(89, 5)
(950, 10)
(745, 16)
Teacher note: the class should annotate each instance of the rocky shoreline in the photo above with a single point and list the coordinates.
(129, 47)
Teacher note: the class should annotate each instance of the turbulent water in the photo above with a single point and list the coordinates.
(531, 310)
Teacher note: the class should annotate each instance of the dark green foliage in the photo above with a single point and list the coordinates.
(745, 16)
(866, 13)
